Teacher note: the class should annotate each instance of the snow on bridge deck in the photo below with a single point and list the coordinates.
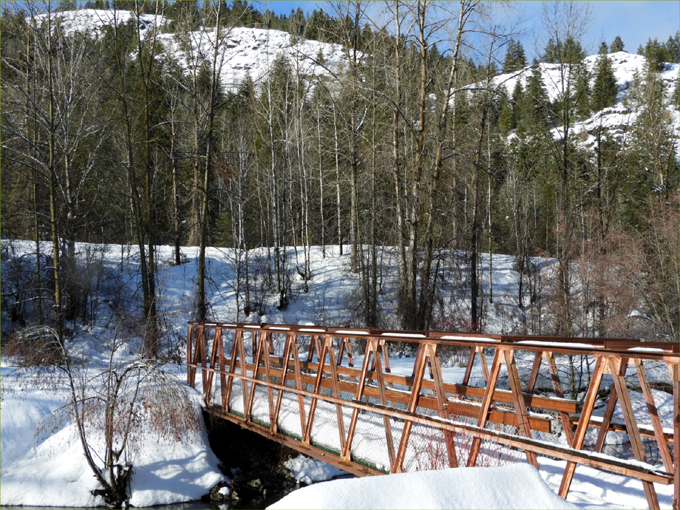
(373, 420)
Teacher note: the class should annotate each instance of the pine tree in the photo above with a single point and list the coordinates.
(515, 58)
(673, 48)
(534, 105)
(656, 54)
(603, 49)
(570, 52)
(616, 45)
(582, 91)
(604, 88)
(551, 52)
(511, 110)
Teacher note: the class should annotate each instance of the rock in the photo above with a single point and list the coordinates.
(222, 493)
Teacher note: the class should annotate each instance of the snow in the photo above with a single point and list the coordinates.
(566, 345)
(616, 119)
(93, 20)
(514, 486)
(252, 51)
(41, 466)
(307, 470)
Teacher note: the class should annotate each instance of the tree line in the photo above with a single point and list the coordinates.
(108, 139)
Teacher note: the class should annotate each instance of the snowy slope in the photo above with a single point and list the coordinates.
(92, 21)
(616, 119)
(252, 51)
(243, 51)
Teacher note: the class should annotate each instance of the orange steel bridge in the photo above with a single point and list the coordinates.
(368, 421)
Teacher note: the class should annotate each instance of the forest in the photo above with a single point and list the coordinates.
(410, 144)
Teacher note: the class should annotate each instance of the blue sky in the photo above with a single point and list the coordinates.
(634, 21)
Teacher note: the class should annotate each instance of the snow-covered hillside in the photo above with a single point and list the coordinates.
(625, 66)
(252, 52)
(617, 119)
(243, 51)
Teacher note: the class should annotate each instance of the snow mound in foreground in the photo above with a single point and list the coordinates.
(54, 471)
(515, 486)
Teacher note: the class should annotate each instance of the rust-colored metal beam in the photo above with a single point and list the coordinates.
(412, 400)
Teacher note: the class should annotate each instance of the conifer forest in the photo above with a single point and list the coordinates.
(398, 137)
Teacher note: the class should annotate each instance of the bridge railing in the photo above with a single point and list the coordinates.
(368, 420)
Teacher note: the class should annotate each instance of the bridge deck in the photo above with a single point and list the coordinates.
(370, 421)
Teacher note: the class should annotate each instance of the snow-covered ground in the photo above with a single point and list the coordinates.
(42, 463)
(514, 486)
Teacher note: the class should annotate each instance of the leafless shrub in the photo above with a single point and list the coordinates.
(34, 346)
(114, 407)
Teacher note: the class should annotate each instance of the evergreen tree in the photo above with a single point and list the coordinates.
(656, 54)
(582, 92)
(570, 52)
(534, 106)
(515, 58)
(603, 49)
(511, 109)
(551, 53)
(673, 48)
(296, 23)
(654, 169)
(604, 88)
(617, 45)
(66, 5)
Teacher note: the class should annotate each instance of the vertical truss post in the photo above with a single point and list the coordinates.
(618, 370)
(347, 450)
(674, 369)
(654, 416)
(218, 344)
(267, 341)
(442, 403)
(518, 396)
(211, 364)
(581, 429)
(191, 371)
(243, 367)
(486, 406)
(373, 346)
(257, 358)
(557, 387)
(328, 345)
(307, 434)
(418, 376)
(238, 336)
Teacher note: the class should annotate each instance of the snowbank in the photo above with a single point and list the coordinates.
(507, 487)
(43, 462)
(307, 470)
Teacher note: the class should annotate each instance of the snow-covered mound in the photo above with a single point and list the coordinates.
(92, 21)
(252, 51)
(507, 487)
(43, 462)
(243, 51)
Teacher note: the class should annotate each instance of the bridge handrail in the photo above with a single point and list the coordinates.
(518, 406)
